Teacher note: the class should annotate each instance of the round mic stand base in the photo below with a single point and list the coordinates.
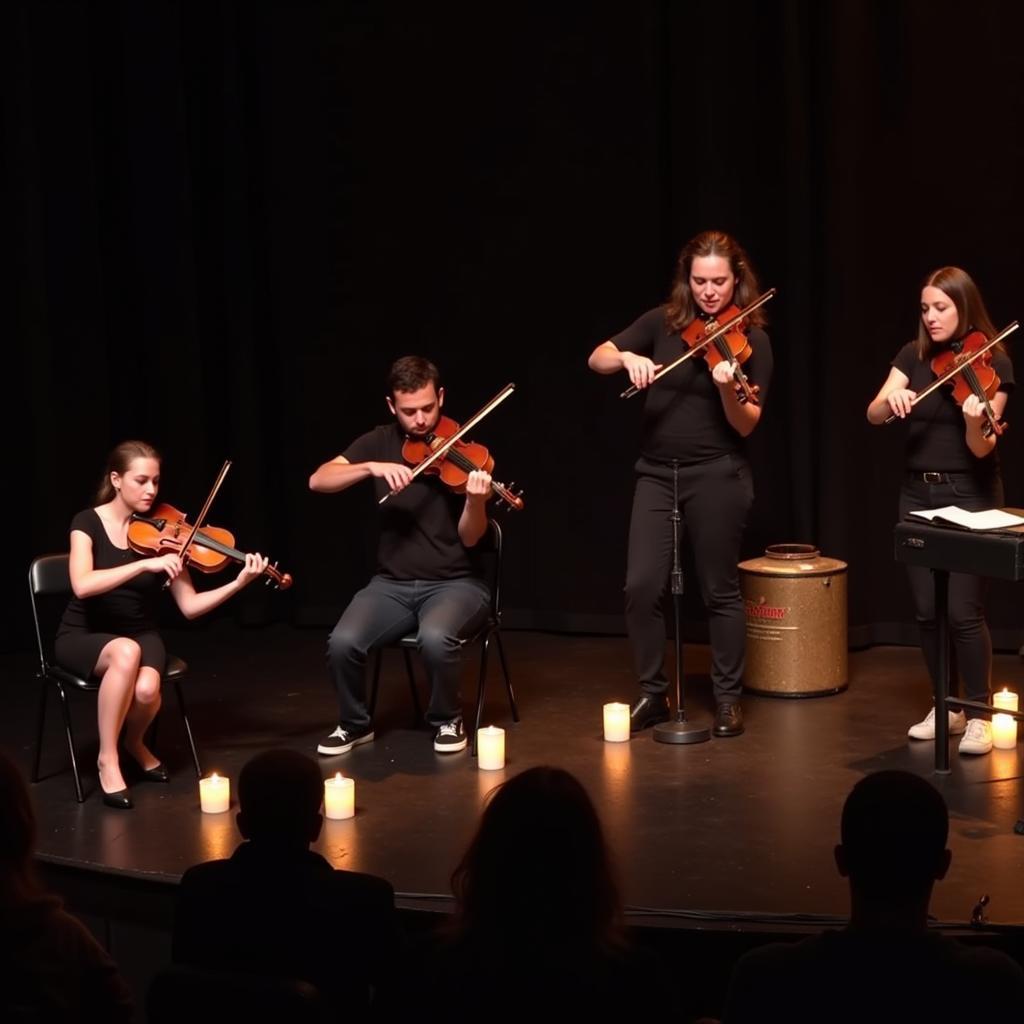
(681, 731)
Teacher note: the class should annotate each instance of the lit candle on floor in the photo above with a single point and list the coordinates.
(1004, 728)
(339, 797)
(490, 748)
(616, 722)
(215, 794)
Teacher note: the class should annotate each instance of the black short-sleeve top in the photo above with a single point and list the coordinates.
(419, 526)
(130, 608)
(936, 431)
(683, 418)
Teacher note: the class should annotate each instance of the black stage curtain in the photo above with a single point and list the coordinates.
(226, 219)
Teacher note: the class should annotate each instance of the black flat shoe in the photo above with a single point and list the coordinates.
(119, 800)
(158, 773)
(650, 709)
(728, 720)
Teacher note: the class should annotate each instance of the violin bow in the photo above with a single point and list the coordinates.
(953, 371)
(473, 420)
(201, 518)
(705, 341)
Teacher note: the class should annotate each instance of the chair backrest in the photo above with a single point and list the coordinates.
(49, 585)
(491, 549)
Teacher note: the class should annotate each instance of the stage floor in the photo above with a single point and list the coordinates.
(741, 829)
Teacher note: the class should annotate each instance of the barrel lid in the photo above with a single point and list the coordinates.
(793, 560)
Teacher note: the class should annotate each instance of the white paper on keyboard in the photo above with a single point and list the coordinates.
(991, 519)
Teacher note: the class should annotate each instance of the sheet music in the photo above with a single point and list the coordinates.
(953, 515)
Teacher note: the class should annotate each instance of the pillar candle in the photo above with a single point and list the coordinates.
(1004, 728)
(490, 748)
(339, 797)
(616, 722)
(215, 794)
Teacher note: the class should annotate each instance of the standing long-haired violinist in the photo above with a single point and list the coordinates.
(951, 459)
(693, 416)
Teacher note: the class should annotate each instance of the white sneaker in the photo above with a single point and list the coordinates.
(978, 738)
(926, 730)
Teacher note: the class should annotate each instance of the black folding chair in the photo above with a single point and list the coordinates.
(49, 587)
(492, 553)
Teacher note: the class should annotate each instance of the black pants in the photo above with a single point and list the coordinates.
(714, 499)
(441, 612)
(972, 645)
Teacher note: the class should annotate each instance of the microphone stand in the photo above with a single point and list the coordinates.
(681, 730)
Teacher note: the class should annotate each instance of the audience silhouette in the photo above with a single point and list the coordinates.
(51, 968)
(886, 965)
(277, 908)
(538, 927)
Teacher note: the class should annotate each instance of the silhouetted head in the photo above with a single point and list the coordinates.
(279, 796)
(17, 829)
(894, 831)
(538, 866)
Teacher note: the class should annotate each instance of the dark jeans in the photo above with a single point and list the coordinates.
(971, 643)
(714, 499)
(440, 612)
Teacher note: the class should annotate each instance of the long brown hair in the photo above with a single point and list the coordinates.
(18, 881)
(538, 868)
(118, 462)
(682, 308)
(971, 313)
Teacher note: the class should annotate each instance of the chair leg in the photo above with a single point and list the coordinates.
(417, 708)
(378, 656)
(188, 728)
(66, 711)
(481, 683)
(40, 722)
(508, 678)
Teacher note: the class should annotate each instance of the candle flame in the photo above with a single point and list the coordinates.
(213, 777)
(337, 777)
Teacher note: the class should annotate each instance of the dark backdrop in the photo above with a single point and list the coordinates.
(226, 219)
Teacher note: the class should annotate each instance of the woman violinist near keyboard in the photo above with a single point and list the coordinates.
(694, 416)
(951, 459)
(109, 628)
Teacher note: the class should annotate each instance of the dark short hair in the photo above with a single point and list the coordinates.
(894, 831)
(410, 373)
(279, 795)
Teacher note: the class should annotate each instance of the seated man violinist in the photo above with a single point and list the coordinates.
(427, 577)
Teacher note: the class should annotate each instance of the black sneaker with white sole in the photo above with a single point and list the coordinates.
(341, 741)
(450, 737)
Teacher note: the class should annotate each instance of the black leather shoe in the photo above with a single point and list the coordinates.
(158, 773)
(650, 709)
(728, 720)
(119, 800)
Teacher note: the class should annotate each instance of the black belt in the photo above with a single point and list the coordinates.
(936, 478)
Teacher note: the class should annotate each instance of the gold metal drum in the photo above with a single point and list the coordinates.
(795, 604)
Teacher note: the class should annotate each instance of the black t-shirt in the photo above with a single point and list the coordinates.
(873, 976)
(936, 440)
(128, 609)
(683, 416)
(419, 526)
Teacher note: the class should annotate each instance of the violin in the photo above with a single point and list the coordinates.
(165, 532)
(971, 373)
(461, 459)
(731, 346)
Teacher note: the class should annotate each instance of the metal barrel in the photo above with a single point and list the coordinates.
(795, 602)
